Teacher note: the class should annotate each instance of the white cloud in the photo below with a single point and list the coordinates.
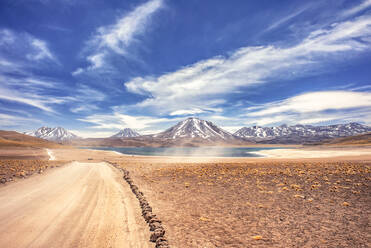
(289, 17)
(11, 120)
(77, 71)
(203, 83)
(364, 87)
(232, 129)
(117, 121)
(364, 5)
(96, 60)
(86, 99)
(19, 85)
(5, 63)
(86, 133)
(316, 120)
(92, 133)
(318, 101)
(28, 81)
(84, 108)
(33, 91)
(264, 121)
(195, 111)
(314, 107)
(118, 37)
(6, 37)
(21, 45)
(42, 102)
(151, 131)
(41, 51)
(87, 93)
(187, 112)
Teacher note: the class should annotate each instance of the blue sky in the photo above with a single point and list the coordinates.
(95, 67)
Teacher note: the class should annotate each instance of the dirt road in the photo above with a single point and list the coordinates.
(78, 205)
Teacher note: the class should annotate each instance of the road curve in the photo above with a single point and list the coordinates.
(77, 205)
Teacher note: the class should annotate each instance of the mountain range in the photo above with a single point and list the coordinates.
(299, 134)
(196, 132)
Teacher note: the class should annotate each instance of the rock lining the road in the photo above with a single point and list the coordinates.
(154, 223)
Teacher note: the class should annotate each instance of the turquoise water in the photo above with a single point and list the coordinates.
(190, 151)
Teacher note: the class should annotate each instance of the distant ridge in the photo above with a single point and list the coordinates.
(196, 132)
(126, 133)
(189, 132)
(300, 133)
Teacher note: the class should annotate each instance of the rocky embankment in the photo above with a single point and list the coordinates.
(154, 223)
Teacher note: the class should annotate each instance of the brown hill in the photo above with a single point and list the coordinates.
(15, 139)
(357, 140)
(150, 141)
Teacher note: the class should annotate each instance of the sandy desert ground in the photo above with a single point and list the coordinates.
(301, 198)
(307, 198)
(262, 204)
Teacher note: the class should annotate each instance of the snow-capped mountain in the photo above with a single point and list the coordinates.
(57, 134)
(300, 133)
(126, 133)
(195, 128)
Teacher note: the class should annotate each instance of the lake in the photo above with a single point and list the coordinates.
(189, 151)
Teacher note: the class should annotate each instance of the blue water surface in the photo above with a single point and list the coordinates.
(190, 151)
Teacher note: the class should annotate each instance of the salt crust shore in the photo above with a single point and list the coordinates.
(302, 153)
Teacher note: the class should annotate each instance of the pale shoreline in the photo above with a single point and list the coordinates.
(304, 153)
(275, 153)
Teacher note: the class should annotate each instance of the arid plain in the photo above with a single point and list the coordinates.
(320, 199)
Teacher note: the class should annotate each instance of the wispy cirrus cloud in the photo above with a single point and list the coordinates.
(39, 92)
(28, 81)
(41, 51)
(12, 121)
(118, 37)
(43, 102)
(86, 98)
(20, 52)
(203, 83)
(18, 46)
(357, 8)
(290, 16)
